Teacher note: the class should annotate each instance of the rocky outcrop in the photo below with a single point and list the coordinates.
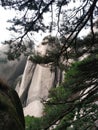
(36, 82)
(11, 112)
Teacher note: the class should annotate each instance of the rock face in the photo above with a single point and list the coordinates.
(11, 112)
(36, 82)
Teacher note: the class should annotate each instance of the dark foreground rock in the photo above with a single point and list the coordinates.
(11, 113)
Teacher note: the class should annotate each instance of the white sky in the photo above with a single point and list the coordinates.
(4, 16)
(6, 34)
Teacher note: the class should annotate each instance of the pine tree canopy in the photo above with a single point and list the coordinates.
(73, 104)
(66, 17)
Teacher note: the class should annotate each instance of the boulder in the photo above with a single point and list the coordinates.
(11, 112)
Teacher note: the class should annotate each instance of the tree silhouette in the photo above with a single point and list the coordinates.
(72, 105)
(66, 20)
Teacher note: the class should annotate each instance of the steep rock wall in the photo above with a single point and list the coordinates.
(36, 82)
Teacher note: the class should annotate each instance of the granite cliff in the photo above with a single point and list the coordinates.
(36, 81)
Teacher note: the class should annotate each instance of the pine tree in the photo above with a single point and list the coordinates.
(73, 104)
(63, 18)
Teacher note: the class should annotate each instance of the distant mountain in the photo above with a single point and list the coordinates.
(10, 70)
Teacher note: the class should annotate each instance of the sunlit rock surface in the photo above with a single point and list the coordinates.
(36, 82)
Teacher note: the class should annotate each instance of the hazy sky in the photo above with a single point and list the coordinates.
(4, 16)
(6, 34)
